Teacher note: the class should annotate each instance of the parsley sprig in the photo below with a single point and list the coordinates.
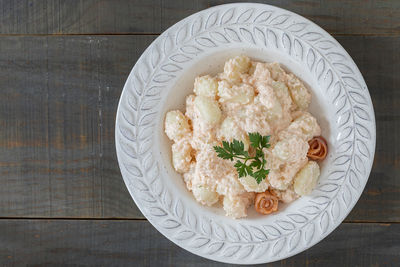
(246, 164)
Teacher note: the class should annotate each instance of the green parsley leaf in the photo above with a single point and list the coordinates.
(256, 163)
(255, 139)
(222, 153)
(237, 147)
(265, 141)
(246, 164)
(241, 169)
(226, 146)
(260, 175)
(259, 153)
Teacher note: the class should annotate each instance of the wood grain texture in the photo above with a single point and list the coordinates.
(137, 243)
(58, 104)
(61, 76)
(379, 62)
(154, 16)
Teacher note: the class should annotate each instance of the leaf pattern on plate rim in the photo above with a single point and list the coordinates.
(276, 29)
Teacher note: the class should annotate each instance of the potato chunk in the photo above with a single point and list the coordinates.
(181, 156)
(250, 184)
(229, 131)
(306, 179)
(299, 93)
(291, 149)
(176, 125)
(305, 126)
(204, 195)
(208, 109)
(242, 94)
(205, 86)
(236, 66)
(236, 206)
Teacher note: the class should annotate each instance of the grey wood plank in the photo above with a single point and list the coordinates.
(58, 104)
(379, 62)
(137, 243)
(154, 16)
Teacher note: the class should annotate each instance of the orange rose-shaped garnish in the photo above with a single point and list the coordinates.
(318, 148)
(266, 202)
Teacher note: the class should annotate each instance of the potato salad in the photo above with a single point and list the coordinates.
(249, 98)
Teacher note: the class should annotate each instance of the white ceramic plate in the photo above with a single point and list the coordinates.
(200, 44)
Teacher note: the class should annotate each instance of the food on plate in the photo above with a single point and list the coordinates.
(248, 163)
(318, 148)
(306, 179)
(266, 202)
(246, 138)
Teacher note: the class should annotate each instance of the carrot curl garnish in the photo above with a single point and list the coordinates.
(318, 148)
(266, 203)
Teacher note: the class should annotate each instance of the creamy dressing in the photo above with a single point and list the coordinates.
(247, 97)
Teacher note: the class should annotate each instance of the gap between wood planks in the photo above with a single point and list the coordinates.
(383, 223)
(156, 34)
(71, 219)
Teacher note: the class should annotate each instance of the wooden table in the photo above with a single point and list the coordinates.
(62, 68)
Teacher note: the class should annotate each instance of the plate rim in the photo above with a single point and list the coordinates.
(228, 7)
